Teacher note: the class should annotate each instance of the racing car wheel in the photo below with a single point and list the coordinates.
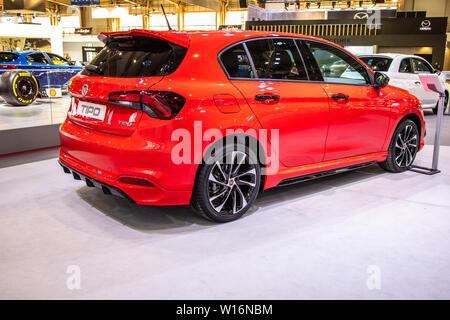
(18, 88)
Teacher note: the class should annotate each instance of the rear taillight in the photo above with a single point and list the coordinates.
(157, 104)
(126, 99)
(8, 66)
(72, 102)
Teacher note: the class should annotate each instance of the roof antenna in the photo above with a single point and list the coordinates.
(164, 12)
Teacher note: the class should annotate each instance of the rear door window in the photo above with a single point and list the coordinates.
(377, 63)
(136, 57)
(277, 59)
(405, 66)
(36, 58)
(236, 62)
(7, 57)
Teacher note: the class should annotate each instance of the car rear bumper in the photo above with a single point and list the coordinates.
(144, 195)
(106, 188)
(103, 160)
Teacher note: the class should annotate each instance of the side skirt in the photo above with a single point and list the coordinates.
(318, 175)
(288, 175)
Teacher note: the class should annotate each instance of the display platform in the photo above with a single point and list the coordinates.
(40, 112)
(324, 239)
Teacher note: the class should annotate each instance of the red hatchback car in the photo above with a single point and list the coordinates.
(213, 118)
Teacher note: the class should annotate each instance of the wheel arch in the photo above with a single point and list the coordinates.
(415, 118)
(410, 116)
(37, 81)
(247, 140)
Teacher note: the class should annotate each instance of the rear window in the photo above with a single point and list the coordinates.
(136, 57)
(236, 62)
(7, 56)
(377, 63)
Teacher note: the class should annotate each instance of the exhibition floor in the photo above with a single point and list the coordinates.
(315, 240)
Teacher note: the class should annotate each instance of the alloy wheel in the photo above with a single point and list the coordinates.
(232, 183)
(406, 146)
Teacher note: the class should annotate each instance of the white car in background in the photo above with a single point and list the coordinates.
(403, 71)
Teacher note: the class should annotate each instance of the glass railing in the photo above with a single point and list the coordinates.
(34, 96)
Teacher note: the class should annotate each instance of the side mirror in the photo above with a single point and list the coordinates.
(71, 63)
(381, 80)
(437, 71)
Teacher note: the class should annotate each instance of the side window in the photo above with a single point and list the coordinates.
(58, 60)
(421, 67)
(7, 57)
(36, 58)
(337, 66)
(277, 59)
(377, 63)
(311, 63)
(405, 66)
(236, 62)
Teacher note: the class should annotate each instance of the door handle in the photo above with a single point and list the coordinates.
(417, 82)
(264, 97)
(338, 97)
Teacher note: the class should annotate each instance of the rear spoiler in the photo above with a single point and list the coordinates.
(177, 37)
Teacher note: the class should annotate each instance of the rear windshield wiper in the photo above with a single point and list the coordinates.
(94, 68)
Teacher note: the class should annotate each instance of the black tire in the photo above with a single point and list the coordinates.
(18, 88)
(403, 147)
(219, 197)
(435, 109)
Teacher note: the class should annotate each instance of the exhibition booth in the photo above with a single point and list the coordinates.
(224, 149)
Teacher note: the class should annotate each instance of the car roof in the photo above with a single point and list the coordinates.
(390, 55)
(30, 52)
(23, 53)
(219, 37)
(381, 55)
(216, 40)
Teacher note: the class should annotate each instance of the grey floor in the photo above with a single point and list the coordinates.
(365, 234)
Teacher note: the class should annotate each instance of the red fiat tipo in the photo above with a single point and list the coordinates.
(213, 118)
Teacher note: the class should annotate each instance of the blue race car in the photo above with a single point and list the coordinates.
(25, 75)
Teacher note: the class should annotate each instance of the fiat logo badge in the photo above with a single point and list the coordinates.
(84, 90)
